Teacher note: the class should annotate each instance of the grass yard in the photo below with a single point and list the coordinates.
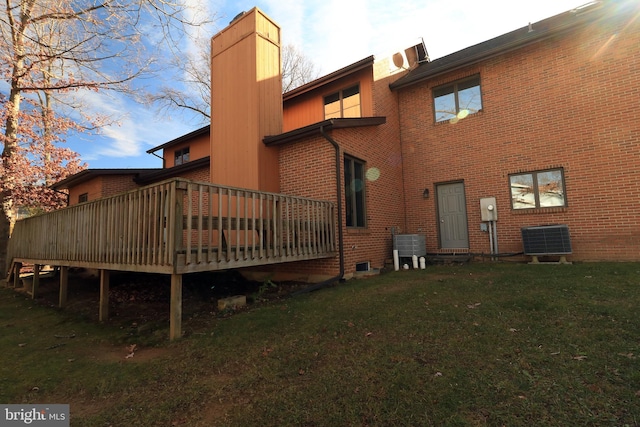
(469, 345)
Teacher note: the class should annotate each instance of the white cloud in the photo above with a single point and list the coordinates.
(136, 128)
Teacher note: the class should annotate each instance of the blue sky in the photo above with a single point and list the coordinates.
(333, 33)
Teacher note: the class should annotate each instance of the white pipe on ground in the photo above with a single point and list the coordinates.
(396, 260)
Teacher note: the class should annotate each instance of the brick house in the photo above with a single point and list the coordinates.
(546, 130)
(536, 120)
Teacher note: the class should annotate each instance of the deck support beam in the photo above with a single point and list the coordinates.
(175, 315)
(64, 284)
(36, 280)
(104, 296)
(16, 274)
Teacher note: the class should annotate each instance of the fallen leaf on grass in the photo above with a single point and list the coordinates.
(627, 355)
(368, 334)
(555, 353)
(472, 306)
(22, 344)
(579, 357)
(513, 330)
(437, 374)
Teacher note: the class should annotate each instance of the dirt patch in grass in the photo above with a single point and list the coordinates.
(139, 303)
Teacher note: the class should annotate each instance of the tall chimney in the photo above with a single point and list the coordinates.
(246, 102)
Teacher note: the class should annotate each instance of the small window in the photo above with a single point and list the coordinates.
(354, 189)
(363, 266)
(540, 189)
(457, 100)
(345, 103)
(84, 197)
(182, 156)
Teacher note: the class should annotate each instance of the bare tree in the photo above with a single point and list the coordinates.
(57, 47)
(195, 71)
(297, 68)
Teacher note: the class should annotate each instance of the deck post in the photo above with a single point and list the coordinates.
(36, 280)
(64, 283)
(175, 315)
(104, 296)
(16, 274)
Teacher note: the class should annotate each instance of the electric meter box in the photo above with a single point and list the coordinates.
(488, 210)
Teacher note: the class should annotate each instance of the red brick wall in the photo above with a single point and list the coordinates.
(116, 184)
(566, 102)
(200, 174)
(308, 169)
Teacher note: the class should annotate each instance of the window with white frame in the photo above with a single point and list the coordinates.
(539, 189)
(455, 101)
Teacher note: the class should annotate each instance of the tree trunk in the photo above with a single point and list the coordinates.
(10, 146)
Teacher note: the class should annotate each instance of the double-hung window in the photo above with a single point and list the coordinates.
(354, 190)
(455, 101)
(344, 103)
(539, 189)
(181, 156)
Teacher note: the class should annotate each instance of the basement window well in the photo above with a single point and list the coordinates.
(363, 266)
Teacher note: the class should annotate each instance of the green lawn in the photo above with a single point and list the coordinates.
(471, 345)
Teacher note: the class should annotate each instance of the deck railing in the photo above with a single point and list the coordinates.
(179, 226)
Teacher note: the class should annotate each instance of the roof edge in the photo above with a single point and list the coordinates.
(530, 37)
(181, 138)
(321, 81)
(318, 128)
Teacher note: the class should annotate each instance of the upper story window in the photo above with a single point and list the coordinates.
(457, 100)
(345, 103)
(540, 189)
(354, 179)
(181, 156)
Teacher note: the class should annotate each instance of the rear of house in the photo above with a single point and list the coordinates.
(539, 119)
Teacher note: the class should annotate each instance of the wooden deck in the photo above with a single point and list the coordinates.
(176, 227)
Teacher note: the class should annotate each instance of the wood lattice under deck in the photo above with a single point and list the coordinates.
(176, 227)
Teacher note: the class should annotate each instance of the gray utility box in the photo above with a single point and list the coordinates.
(408, 245)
